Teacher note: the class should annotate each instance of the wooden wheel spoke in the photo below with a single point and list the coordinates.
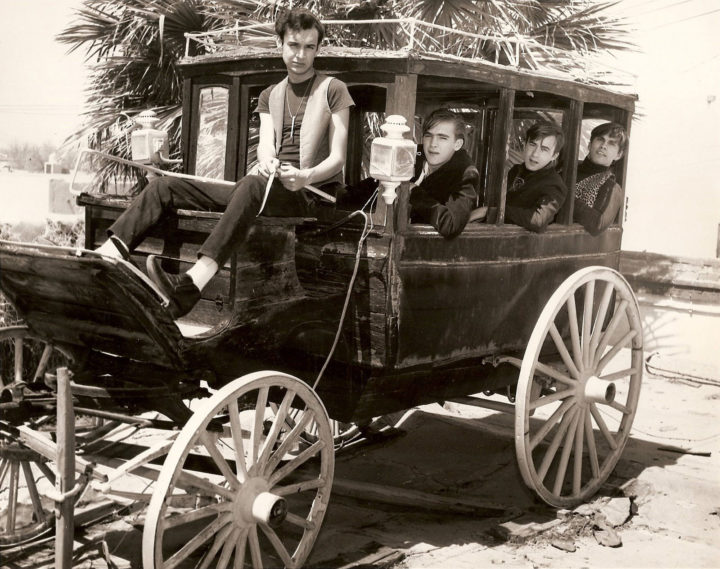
(565, 456)
(600, 317)
(49, 474)
(221, 538)
(299, 521)
(188, 480)
(278, 546)
(193, 515)
(239, 447)
(240, 544)
(18, 359)
(255, 553)
(587, 322)
(620, 407)
(619, 374)
(219, 460)
(292, 437)
(610, 330)
(227, 550)
(12, 495)
(40, 514)
(277, 426)
(574, 331)
(42, 364)
(547, 399)
(304, 486)
(562, 349)
(4, 469)
(578, 452)
(624, 341)
(205, 534)
(257, 431)
(603, 427)
(592, 450)
(555, 374)
(555, 443)
(550, 423)
(304, 456)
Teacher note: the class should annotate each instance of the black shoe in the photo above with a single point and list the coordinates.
(123, 250)
(180, 289)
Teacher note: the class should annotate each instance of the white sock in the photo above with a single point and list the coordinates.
(202, 271)
(109, 250)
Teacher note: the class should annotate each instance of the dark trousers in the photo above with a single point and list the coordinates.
(240, 205)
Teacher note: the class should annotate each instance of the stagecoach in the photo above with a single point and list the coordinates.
(317, 328)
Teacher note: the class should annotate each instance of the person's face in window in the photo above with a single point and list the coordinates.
(604, 150)
(299, 49)
(539, 153)
(440, 143)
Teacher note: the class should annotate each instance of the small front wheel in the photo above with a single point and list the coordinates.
(240, 485)
(579, 386)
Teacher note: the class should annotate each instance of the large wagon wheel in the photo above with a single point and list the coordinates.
(579, 385)
(25, 474)
(239, 486)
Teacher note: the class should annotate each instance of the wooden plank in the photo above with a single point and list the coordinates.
(236, 125)
(497, 179)
(187, 118)
(64, 524)
(573, 129)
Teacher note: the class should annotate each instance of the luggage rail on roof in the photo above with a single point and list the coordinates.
(426, 38)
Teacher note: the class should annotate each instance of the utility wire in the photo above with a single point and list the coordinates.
(657, 9)
(684, 19)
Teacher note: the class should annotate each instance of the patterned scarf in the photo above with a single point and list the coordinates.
(587, 190)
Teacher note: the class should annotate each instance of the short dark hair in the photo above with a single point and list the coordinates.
(298, 19)
(445, 115)
(543, 129)
(613, 130)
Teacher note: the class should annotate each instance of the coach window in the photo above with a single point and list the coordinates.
(212, 132)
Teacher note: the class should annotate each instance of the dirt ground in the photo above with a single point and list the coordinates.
(660, 508)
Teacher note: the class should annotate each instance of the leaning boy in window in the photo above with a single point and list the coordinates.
(535, 190)
(598, 196)
(446, 180)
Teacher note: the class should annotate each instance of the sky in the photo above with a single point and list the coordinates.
(41, 91)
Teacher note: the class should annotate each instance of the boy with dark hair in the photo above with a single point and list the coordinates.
(536, 191)
(598, 196)
(303, 125)
(446, 180)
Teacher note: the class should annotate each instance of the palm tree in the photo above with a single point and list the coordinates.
(133, 46)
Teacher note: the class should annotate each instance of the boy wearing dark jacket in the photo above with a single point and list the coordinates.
(535, 190)
(598, 196)
(446, 179)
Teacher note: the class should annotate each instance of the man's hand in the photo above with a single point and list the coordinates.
(478, 214)
(292, 178)
(268, 167)
(514, 157)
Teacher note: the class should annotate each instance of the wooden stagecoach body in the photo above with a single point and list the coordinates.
(428, 319)
(425, 308)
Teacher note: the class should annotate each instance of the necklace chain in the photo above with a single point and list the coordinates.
(297, 110)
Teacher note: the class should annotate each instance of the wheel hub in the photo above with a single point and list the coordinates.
(254, 504)
(598, 390)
